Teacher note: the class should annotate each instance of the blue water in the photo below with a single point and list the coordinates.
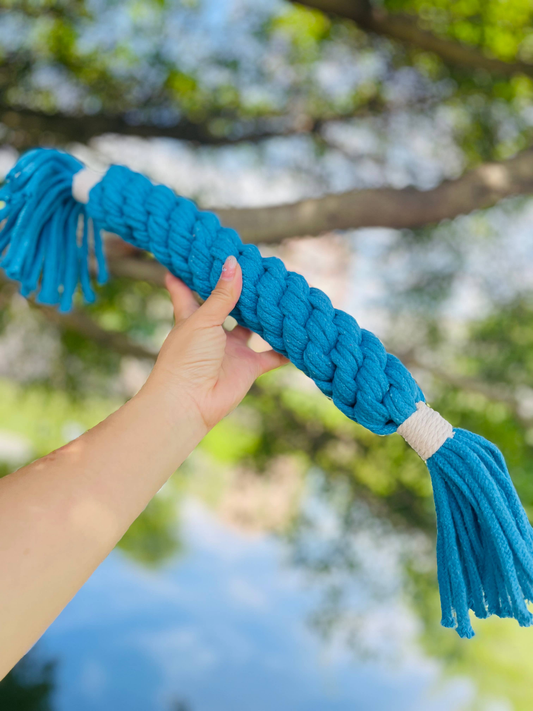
(224, 627)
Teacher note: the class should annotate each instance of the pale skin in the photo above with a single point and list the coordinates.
(62, 515)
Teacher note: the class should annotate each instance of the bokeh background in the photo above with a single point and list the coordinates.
(289, 564)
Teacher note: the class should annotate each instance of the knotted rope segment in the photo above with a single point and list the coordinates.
(53, 212)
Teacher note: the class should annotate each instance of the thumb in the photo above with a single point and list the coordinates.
(223, 297)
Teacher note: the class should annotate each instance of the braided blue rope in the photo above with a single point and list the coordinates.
(348, 364)
(484, 539)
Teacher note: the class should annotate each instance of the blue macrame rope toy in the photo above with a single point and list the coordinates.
(53, 214)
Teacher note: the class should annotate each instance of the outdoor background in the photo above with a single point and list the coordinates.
(290, 563)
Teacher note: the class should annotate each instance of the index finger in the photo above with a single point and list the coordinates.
(182, 298)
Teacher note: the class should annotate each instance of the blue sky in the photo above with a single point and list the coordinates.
(223, 628)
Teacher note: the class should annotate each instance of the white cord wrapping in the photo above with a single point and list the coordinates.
(82, 183)
(425, 431)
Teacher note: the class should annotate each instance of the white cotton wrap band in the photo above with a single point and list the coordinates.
(425, 431)
(82, 183)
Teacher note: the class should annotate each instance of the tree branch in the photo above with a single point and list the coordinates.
(124, 260)
(83, 127)
(409, 207)
(80, 322)
(405, 28)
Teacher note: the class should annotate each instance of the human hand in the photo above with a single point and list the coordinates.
(205, 368)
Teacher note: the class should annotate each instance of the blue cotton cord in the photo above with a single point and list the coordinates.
(490, 569)
(349, 364)
(484, 539)
(40, 231)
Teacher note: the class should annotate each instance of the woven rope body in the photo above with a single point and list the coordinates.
(348, 363)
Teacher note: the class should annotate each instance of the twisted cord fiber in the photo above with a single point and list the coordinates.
(348, 363)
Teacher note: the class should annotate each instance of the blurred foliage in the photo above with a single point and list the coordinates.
(29, 686)
(381, 471)
(154, 63)
(502, 344)
(489, 121)
(501, 28)
(143, 72)
(154, 537)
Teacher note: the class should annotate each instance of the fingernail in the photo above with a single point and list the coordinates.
(228, 270)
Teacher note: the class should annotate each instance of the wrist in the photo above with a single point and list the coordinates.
(174, 407)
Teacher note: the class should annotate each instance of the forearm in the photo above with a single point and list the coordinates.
(63, 514)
